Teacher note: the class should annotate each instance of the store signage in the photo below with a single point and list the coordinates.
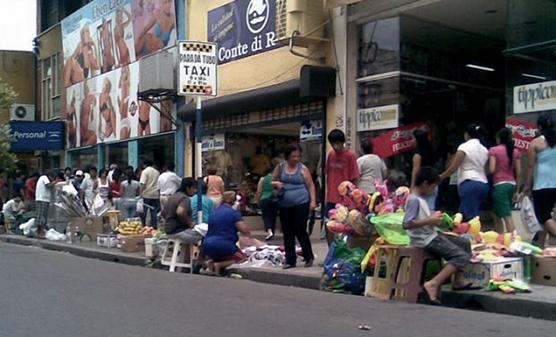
(311, 130)
(399, 140)
(37, 136)
(378, 118)
(243, 28)
(535, 97)
(523, 133)
(197, 68)
(214, 142)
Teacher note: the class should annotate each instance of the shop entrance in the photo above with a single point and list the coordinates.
(251, 152)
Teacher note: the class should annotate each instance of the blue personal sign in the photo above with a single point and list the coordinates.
(33, 136)
(243, 28)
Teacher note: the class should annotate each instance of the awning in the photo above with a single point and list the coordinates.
(314, 83)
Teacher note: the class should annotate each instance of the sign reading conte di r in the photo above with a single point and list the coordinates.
(197, 68)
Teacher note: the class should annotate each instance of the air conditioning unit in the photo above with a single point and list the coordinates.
(307, 17)
(22, 112)
(157, 76)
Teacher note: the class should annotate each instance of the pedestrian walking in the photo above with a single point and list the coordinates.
(423, 156)
(371, 168)
(541, 175)
(267, 200)
(104, 185)
(150, 192)
(340, 166)
(29, 191)
(43, 196)
(89, 188)
(470, 163)
(298, 198)
(505, 168)
(169, 183)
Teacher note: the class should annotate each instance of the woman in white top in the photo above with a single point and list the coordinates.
(371, 167)
(470, 162)
(104, 185)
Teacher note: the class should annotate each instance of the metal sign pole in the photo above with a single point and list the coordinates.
(199, 158)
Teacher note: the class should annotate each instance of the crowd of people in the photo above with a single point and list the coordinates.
(288, 191)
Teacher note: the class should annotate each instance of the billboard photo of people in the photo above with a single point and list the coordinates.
(154, 25)
(103, 42)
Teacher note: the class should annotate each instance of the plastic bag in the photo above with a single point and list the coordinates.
(53, 235)
(342, 269)
(528, 217)
(140, 206)
(390, 227)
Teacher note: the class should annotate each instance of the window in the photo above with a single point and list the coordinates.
(51, 104)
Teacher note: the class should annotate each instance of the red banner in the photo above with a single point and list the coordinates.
(399, 140)
(523, 133)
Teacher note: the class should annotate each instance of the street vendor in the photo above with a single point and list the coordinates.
(420, 225)
(222, 236)
(178, 213)
(10, 210)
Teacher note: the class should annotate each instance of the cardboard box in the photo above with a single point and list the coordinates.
(480, 273)
(87, 226)
(132, 243)
(544, 270)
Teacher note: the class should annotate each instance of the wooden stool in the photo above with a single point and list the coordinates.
(177, 257)
(398, 273)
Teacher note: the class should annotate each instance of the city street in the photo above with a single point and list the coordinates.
(55, 294)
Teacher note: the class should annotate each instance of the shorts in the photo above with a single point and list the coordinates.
(238, 257)
(188, 236)
(472, 194)
(455, 250)
(502, 197)
(543, 202)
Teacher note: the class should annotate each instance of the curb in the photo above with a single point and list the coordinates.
(107, 255)
(510, 305)
(471, 300)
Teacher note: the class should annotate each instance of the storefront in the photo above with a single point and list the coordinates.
(446, 64)
(268, 97)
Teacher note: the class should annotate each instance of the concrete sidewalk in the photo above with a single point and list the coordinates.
(540, 303)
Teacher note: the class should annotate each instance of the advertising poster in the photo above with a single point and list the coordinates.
(106, 109)
(154, 25)
(378, 118)
(399, 140)
(535, 97)
(523, 133)
(103, 43)
(31, 136)
(243, 28)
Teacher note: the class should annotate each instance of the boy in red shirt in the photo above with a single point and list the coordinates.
(341, 165)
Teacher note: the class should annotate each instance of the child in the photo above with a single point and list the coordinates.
(341, 165)
(420, 223)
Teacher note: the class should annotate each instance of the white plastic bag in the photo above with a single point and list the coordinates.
(140, 206)
(28, 227)
(53, 235)
(528, 218)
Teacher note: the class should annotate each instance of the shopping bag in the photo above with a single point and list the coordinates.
(140, 206)
(528, 218)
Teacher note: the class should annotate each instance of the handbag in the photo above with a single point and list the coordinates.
(140, 206)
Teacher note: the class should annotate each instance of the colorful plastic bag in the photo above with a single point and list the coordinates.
(390, 228)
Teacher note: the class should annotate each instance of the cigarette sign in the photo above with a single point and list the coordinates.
(197, 68)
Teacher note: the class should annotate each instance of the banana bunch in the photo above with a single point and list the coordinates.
(130, 227)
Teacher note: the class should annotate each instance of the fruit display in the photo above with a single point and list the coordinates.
(130, 227)
(149, 231)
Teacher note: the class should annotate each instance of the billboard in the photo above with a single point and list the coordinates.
(243, 28)
(31, 136)
(103, 43)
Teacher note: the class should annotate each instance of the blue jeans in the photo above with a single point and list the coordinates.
(471, 194)
(128, 207)
(269, 209)
(152, 206)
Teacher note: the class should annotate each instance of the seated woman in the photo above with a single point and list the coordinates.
(222, 235)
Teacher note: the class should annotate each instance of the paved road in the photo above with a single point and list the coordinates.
(50, 294)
